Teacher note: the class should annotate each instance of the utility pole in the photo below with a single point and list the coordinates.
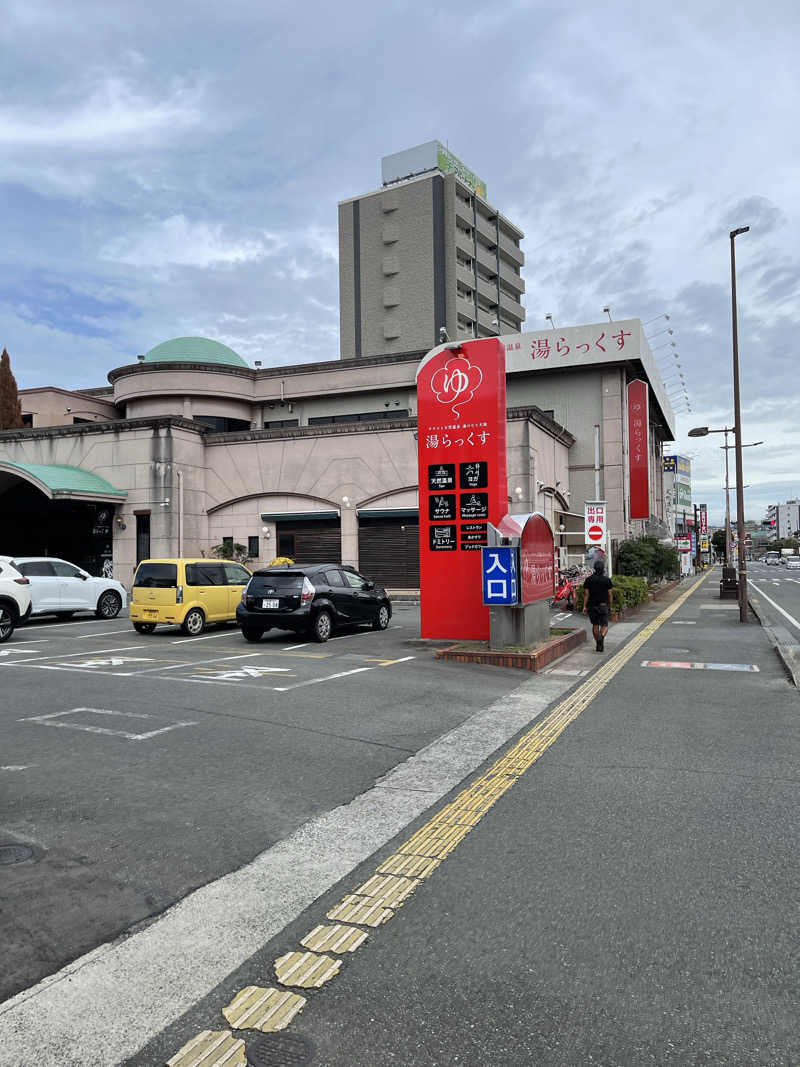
(737, 419)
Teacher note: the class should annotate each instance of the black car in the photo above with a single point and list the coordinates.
(312, 599)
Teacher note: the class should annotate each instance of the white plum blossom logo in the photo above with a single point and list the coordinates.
(456, 383)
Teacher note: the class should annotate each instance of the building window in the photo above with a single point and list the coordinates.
(227, 546)
(27, 420)
(252, 547)
(361, 416)
(142, 537)
(286, 544)
(222, 425)
(278, 424)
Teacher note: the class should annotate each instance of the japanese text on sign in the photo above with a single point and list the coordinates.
(499, 571)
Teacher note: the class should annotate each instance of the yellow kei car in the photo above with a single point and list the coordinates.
(186, 592)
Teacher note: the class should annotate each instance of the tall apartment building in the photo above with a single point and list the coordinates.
(784, 519)
(425, 251)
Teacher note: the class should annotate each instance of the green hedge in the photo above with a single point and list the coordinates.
(628, 592)
(648, 558)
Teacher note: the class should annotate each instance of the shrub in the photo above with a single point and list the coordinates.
(646, 557)
(628, 592)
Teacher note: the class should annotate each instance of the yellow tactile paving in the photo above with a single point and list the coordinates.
(305, 969)
(409, 866)
(257, 1008)
(211, 1048)
(336, 938)
(390, 889)
(357, 910)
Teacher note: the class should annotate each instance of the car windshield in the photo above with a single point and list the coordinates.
(284, 583)
(156, 575)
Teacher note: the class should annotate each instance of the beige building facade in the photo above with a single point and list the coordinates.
(312, 461)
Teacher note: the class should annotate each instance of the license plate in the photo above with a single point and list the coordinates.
(151, 611)
(267, 605)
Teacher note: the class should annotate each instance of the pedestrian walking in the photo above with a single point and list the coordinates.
(598, 600)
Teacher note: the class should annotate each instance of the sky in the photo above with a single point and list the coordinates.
(174, 169)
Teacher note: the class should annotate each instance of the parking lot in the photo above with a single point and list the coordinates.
(139, 767)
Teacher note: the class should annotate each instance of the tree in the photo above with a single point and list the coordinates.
(646, 557)
(10, 407)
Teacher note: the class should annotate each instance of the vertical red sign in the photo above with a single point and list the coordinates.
(461, 419)
(639, 449)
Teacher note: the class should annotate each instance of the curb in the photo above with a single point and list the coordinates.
(552, 650)
(781, 640)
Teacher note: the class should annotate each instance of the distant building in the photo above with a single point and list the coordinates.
(425, 251)
(783, 519)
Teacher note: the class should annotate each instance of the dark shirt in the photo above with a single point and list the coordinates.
(597, 587)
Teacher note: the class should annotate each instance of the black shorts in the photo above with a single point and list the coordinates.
(598, 614)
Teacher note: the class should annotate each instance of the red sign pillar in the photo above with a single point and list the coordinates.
(461, 418)
(639, 449)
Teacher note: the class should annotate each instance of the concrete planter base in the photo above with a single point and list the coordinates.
(535, 660)
(656, 594)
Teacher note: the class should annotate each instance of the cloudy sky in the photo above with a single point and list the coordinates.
(174, 168)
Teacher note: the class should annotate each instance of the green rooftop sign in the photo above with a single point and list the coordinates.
(450, 164)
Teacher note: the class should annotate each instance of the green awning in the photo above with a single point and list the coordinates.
(388, 513)
(297, 516)
(61, 482)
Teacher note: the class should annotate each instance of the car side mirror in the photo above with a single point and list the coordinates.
(83, 576)
(369, 585)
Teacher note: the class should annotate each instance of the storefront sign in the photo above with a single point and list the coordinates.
(499, 576)
(638, 450)
(595, 522)
(461, 403)
(683, 544)
(703, 518)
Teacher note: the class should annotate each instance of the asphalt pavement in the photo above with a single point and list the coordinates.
(600, 861)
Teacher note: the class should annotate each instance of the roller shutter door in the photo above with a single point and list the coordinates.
(388, 551)
(312, 542)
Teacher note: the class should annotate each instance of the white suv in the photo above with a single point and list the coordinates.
(60, 588)
(15, 599)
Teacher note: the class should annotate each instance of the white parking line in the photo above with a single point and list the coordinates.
(93, 652)
(290, 648)
(105, 633)
(48, 720)
(317, 681)
(209, 637)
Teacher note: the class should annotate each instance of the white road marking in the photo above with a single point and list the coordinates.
(114, 661)
(19, 651)
(684, 623)
(786, 614)
(105, 633)
(49, 720)
(689, 666)
(249, 672)
(208, 637)
(291, 648)
(94, 652)
(18, 767)
(317, 681)
(346, 637)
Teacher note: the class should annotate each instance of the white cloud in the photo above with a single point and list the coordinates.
(178, 241)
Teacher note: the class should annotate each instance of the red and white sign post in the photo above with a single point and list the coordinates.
(596, 529)
(463, 485)
(639, 449)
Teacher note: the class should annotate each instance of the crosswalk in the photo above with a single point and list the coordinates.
(776, 581)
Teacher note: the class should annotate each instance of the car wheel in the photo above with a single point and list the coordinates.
(194, 623)
(322, 626)
(381, 620)
(6, 624)
(251, 634)
(64, 614)
(109, 605)
(144, 627)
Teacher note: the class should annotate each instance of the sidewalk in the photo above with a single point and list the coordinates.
(630, 897)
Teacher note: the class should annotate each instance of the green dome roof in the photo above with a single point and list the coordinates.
(193, 350)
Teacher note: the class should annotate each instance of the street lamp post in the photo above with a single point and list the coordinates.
(737, 419)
